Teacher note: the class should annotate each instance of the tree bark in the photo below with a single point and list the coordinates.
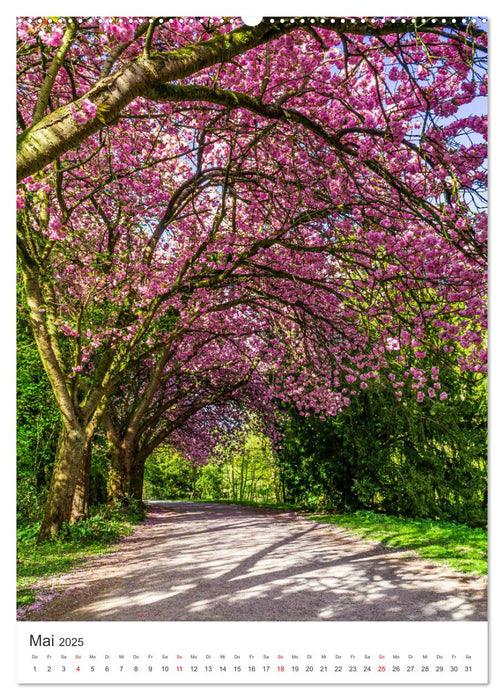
(80, 504)
(137, 478)
(69, 459)
(68, 497)
(126, 473)
(117, 475)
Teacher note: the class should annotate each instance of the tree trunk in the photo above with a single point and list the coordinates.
(69, 459)
(80, 505)
(137, 478)
(126, 473)
(117, 475)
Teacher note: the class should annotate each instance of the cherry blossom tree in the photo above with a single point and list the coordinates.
(208, 379)
(318, 183)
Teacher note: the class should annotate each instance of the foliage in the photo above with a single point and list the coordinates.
(211, 481)
(99, 470)
(248, 467)
(241, 468)
(411, 458)
(168, 476)
(106, 524)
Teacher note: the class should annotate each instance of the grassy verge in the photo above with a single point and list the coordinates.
(92, 537)
(457, 546)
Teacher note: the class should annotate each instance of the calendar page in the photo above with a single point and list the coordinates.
(251, 347)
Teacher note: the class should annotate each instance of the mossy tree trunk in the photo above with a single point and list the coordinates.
(68, 497)
(137, 478)
(70, 458)
(80, 504)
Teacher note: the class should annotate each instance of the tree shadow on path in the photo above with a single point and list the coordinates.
(203, 561)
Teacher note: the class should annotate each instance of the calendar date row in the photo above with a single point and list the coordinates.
(261, 669)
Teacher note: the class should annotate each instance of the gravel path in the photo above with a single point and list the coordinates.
(202, 561)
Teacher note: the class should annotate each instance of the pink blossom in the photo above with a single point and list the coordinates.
(78, 116)
(334, 296)
(54, 38)
(55, 229)
(89, 108)
(23, 34)
(88, 111)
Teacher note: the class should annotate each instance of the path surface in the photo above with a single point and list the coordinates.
(202, 561)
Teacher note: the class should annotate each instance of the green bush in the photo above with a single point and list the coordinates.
(168, 476)
(210, 482)
(410, 459)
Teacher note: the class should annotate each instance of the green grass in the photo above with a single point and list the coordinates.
(457, 546)
(76, 543)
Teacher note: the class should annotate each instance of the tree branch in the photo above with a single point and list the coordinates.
(45, 91)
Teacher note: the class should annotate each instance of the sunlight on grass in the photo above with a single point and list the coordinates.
(457, 546)
(460, 547)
